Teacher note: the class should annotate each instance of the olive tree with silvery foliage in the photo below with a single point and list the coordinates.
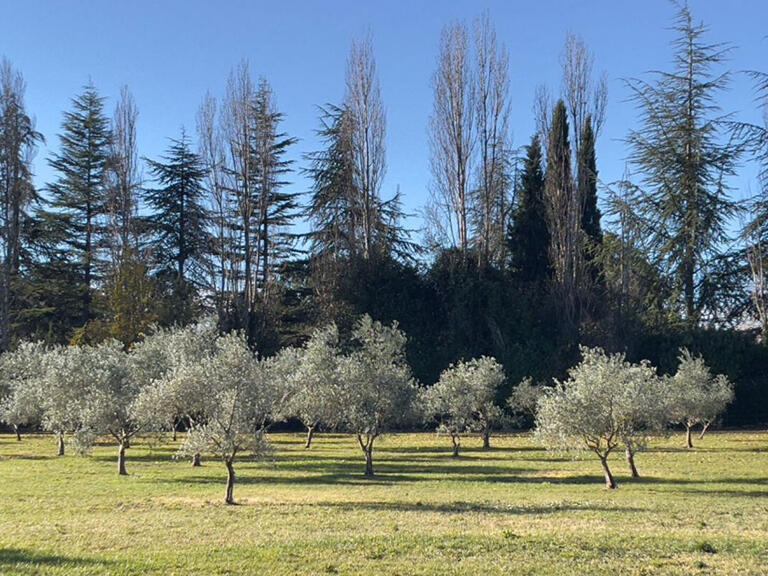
(604, 403)
(696, 396)
(108, 407)
(317, 390)
(63, 387)
(462, 400)
(233, 394)
(157, 359)
(524, 399)
(21, 377)
(378, 392)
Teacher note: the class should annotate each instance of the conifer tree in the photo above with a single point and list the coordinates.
(684, 158)
(18, 140)
(178, 224)
(78, 194)
(564, 219)
(587, 182)
(529, 232)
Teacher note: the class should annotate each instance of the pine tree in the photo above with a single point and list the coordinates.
(178, 223)
(78, 195)
(277, 208)
(529, 233)
(332, 173)
(684, 159)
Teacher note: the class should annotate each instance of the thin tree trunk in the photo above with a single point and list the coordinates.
(61, 443)
(704, 430)
(196, 459)
(610, 483)
(230, 497)
(455, 441)
(310, 435)
(688, 440)
(18, 432)
(121, 459)
(487, 439)
(369, 461)
(631, 461)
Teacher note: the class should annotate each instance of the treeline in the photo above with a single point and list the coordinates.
(519, 260)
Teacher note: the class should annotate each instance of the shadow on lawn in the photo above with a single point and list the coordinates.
(478, 507)
(19, 561)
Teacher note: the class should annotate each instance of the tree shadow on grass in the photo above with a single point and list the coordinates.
(20, 562)
(480, 507)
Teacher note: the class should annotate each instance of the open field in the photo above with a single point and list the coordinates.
(512, 510)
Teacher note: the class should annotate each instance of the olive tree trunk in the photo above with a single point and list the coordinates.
(688, 439)
(230, 497)
(704, 430)
(456, 444)
(121, 459)
(610, 483)
(18, 432)
(487, 439)
(196, 459)
(630, 452)
(310, 435)
(61, 443)
(367, 448)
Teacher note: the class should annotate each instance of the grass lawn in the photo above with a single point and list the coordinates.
(512, 510)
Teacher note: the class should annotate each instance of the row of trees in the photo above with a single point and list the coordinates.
(516, 263)
(226, 396)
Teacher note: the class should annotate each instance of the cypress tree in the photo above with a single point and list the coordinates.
(529, 235)
(590, 213)
(78, 195)
(564, 219)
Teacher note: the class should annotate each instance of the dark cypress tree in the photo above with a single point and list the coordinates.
(528, 234)
(178, 227)
(590, 218)
(590, 213)
(78, 196)
(564, 220)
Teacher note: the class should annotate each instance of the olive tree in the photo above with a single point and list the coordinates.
(599, 407)
(232, 390)
(696, 396)
(155, 361)
(377, 388)
(109, 405)
(63, 387)
(463, 399)
(21, 375)
(524, 398)
(316, 382)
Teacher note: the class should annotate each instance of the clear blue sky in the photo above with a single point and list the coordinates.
(171, 52)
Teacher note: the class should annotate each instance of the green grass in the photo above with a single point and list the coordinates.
(513, 510)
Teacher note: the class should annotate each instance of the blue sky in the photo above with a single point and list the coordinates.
(170, 53)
